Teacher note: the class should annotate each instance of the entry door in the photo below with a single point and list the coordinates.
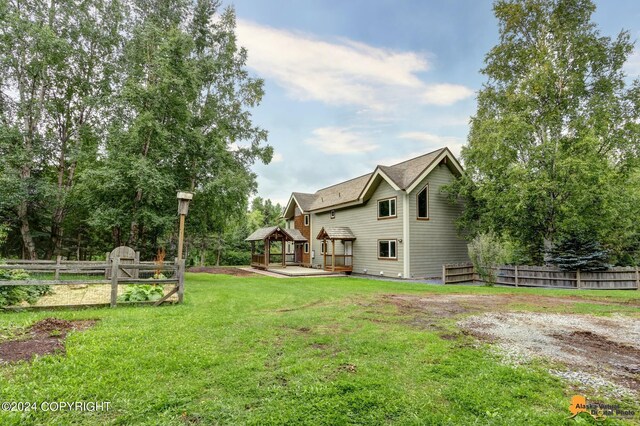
(298, 253)
(348, 250)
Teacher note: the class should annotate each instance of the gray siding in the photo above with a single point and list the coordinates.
(435, 241)
(363, 221)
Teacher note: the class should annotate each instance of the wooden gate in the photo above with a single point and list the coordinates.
(126, 256)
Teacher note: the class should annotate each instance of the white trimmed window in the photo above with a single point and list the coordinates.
(423, 203)
(387, 208)
(387, 249)
(332, 214)
(306, 220)
(306, 247)
(322, 247)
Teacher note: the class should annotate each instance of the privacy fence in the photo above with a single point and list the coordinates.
(121, 279)
(627, 278)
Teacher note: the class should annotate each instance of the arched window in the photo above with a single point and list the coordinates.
(423, 203)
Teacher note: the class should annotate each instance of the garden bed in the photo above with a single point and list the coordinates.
(42, 338)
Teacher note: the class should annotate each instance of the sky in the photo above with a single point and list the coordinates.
(352, 84)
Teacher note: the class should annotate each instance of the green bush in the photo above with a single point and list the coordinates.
(142, 293)
(487, 250)
(234, 258)
(13, 295)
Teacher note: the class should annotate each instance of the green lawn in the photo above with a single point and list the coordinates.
(284, 351)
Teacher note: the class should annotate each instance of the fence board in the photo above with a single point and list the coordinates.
(620, 278)
(65, 273)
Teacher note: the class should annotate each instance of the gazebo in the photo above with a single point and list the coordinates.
(268, 236)
(338, 262)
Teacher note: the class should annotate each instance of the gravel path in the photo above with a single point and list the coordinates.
(600, 352)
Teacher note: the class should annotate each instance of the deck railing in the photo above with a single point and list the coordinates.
(342, 261)
(274, 258)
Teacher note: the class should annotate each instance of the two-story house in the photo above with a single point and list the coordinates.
(394, 221)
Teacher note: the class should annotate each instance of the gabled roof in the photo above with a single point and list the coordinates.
(304, 200)
(340, 193)
(264, 233)
(336, 233)
(300, 199)
(401, 176)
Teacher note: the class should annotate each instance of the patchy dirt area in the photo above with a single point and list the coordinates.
(44, 337)
(448, 305)
(236, 272)
(598, 352)
(593, 348)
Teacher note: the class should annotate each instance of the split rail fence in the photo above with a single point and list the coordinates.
(619, 278)
(96, 283)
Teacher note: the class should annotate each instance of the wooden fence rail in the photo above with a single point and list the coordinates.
(619, 278)
(113, 273)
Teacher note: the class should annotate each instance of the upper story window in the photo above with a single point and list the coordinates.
(306, 220)
(423, 203)
(332, 214)
(387, 208)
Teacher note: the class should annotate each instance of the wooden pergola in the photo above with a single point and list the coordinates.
(268, 236)
(339, 262)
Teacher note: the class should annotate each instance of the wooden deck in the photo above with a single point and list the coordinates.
(338, 262)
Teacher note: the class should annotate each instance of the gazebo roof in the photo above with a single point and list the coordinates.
(336, 233)
(265, 233)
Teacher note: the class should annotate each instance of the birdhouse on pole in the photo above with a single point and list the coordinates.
(183, 209)
(183, 202)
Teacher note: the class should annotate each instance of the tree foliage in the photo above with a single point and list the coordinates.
(109, 107)
(579, 252)
(486, 251)
(553, 148)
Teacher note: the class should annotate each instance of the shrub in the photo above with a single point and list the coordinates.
(235, 258)
(487, 250)
(142, 293)
(13, 295)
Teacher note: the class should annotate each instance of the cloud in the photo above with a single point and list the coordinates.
(446, 94)
(277, 158)
(435, 141)
(341, 71)
(340, 140)
(632, 66)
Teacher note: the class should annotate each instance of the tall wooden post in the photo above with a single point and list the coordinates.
(180, 270)
(114, 281)
(181, 237)
(284, 264)
(333, 255)
(267, 253)
(58, 263)
(106, 269)
(136, 261)
(516, 276)
(324, 264)
(578, 282)
(637, 278)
